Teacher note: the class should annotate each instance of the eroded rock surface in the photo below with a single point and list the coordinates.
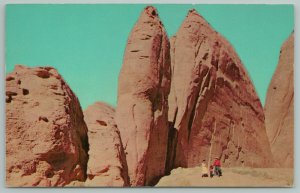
(46, 137)
(107, 162)
(279, 107)
(214, 110)
(142, 110)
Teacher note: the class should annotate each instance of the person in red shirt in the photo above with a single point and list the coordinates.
(217, 165)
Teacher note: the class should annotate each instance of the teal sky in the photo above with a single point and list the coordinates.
(86, 42)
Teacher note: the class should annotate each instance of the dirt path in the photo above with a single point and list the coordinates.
(232, 177)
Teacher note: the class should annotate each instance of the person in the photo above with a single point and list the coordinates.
(217, 165)
(204, 169)
(211, 171)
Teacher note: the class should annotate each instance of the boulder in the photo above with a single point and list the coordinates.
(214, 110)
(142, 109)
(279, 107)
(107, 162)
(46, 136)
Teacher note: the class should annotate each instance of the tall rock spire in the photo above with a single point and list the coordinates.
(279, 107)
(142, 109)
(214, 109)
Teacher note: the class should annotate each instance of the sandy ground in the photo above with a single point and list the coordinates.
(232, 177)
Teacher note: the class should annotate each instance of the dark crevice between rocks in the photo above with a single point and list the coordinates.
(155, 180)
(171, 146)
(124, 168)
(86, 148)
(192, 116)
(73, 107)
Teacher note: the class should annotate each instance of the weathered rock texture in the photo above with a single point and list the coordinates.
(214, 110)
(279, 107)
(142, 110)
(107, 162)
(46, 137)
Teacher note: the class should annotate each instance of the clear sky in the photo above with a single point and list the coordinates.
(86, 42)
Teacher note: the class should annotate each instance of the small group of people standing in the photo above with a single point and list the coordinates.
(214, 170)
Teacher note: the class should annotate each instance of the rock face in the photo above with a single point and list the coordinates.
(214, 110)
(46, 137)
(107, 162)
(142, 110)
(279, 107)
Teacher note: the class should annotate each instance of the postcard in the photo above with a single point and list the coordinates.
(164, 95)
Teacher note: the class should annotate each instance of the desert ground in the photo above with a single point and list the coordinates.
(232, 177)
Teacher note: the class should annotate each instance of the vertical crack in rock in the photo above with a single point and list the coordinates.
(171, 148)
(172, 114)
(147, 88)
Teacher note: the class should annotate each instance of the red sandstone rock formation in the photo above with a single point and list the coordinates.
(107, 162)
(214, 110)
(46, 137)
(142, 110)
(279, 107)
